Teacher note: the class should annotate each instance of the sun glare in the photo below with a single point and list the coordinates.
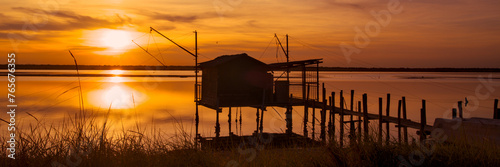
(116, 72)
(116, 39)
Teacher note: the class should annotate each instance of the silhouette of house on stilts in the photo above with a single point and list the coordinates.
(239, 80)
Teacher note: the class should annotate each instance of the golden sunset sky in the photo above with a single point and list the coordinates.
(353, 33)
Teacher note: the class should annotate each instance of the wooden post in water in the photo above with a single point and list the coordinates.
(365, 116)
(229, 121)
(313, 122)
(261, 120)
(288, 114)
(399, 121)
(405, 129)
(460, 110)
(323, 116)
(453, 113)
(423, 121)
(306, 108)
(380, 120)
(331, 129)
(387, 136)
(359, 121)
(351, 128)
(496, 112)
(341, 122)
(257, 120)
(217, 125)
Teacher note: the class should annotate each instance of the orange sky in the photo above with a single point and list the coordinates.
(379, 33)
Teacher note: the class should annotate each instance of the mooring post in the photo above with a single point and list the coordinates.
(217, 125)
(240, 122)
(332, 118)
(359, 120)
(380, 120)
(453, 113)
(496, 112)
(323, 116)
(341, 122)
(229, 120)
(423, 122)
(365, 116)
(387, 113)
(352, 131)
(460, 110)
(399, 121)
(405, 129)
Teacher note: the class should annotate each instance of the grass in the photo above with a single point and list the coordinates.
(81, 140)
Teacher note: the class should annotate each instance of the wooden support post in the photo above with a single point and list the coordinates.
(387, 113)
(365, 116)
(240, 123)
(229, 120)
(261, 127)
(257, 121)
(341, 122)
(306, 108)
(197, 122)
(323, 116)
(453, 113)
(496, 112)
(380, 120)
(359, 121)
(217, 125)
(288, 114)
(331, 129)
(313, 129)
(460, 110)
(399, 122)
(352, 131)
(405, 129)
(423, 121)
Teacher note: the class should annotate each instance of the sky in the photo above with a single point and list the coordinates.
(345, 33)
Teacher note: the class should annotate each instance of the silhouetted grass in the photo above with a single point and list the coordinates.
(82, 140)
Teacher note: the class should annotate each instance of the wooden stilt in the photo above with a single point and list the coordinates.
(405, 129)
(306, 111)
(453, 113)
(460, 111)
(229, 121)
(323, 116)
(399, 122)
(496, 112)
(365, 116)
(289, 127)
(341, 122)
(387, 113)
(359, 121)
(380, 120)
(257, 121)
(313, 130)
(261, 127)
(351, 123)
(423, 120)
(217, 124)
(332, 118)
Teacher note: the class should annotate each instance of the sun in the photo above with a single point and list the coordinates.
(115, 39)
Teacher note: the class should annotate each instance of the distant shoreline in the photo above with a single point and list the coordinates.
(188, 68)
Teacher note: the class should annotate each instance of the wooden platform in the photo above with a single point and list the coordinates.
(257, 141)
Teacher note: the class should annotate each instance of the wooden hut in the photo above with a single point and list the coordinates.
(235, 81)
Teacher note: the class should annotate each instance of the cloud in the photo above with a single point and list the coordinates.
(60, 21)
(173, 18)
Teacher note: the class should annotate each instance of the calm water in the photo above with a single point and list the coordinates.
(166, 102)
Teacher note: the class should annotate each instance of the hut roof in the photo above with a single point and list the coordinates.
(229, 58)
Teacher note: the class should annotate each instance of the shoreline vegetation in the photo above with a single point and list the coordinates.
(83, 140)
(188, 68)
